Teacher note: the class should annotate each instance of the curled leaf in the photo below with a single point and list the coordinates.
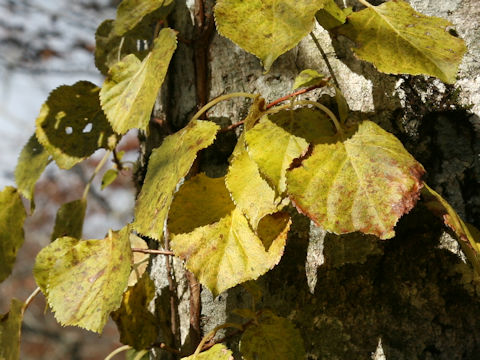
(111, 48)
(277, 139)
(32, 162)
(250, 192)
(227, 251)
(167, 165)
(130, 90)
(109, 177)
(468, 236)
(308, 78)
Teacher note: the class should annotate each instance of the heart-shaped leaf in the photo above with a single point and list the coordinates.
(365, 183)
(398, 40)
(85, 279)
(71, 124)
(266, 28)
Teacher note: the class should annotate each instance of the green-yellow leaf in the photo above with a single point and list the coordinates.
(398, 40)
(365, 183)
(216, 352)
(131, 12)
(226, 252)
(468, 236)
(71, 124)
(130, 90)
(47, 257)
(12, 216)
(136, 324)
(10, 329)
(32, 162)
(308, 78)
(88, 279)
(167, 165)
(109, 177)
(266, 28)
(250, 192)
(110, 48)
(69, 219)
(185, 213)
(273, 338)
(330, 16)
(278, 139)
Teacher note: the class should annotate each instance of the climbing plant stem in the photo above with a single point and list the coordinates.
(366, 3)
(95, 172)
(325, 58)
(117, 351)
(30, 298)
(326, 110)
(220, 99)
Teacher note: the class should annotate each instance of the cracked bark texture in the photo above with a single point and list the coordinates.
(354, 296)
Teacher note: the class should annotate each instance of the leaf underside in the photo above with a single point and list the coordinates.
(87, 278)
(131, 12)
(467, 236)
(398, 40)
(167, 165)
(12, 216)
(69, 219)
(365, 183)
(71, 124)
(266, 28)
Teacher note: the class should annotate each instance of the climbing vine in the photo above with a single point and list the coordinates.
(346, 176)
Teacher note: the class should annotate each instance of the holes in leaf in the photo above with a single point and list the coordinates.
(87, 128)
(68, 130)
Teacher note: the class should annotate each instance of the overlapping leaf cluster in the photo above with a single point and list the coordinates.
(234, 228)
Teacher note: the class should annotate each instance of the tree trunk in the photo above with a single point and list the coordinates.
(353, 296)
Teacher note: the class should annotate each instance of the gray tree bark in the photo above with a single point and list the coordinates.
(353, 296)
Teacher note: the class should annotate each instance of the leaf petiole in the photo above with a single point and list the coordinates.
(220, 99)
